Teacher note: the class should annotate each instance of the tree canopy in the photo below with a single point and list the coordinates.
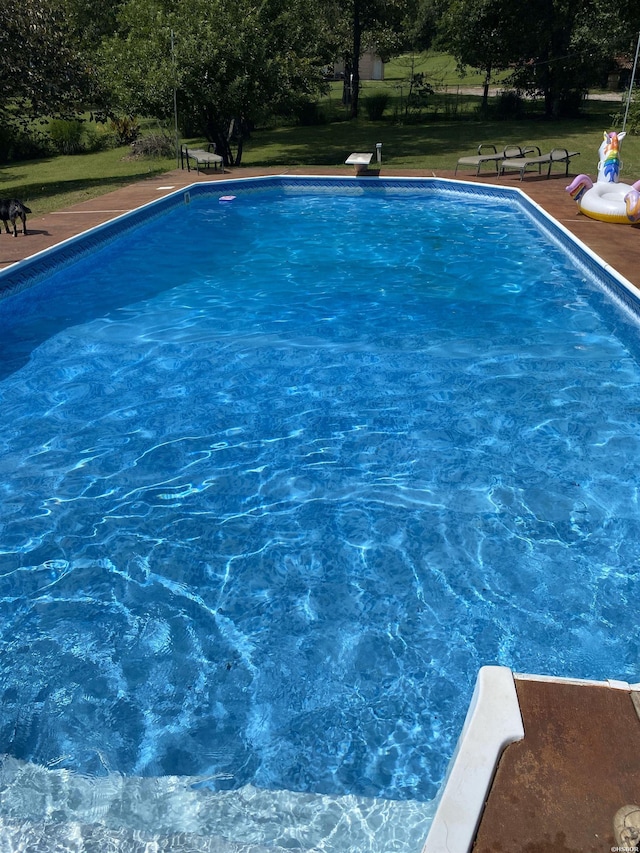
(231, 65)
(42, 71)
(554, 48)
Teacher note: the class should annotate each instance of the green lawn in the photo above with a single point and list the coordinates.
(439, 68)
(56, 182)
(431, 141)
(437, 144)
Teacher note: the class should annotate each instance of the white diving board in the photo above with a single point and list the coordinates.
(361, 161)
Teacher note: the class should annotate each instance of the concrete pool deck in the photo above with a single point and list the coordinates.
(557, 790)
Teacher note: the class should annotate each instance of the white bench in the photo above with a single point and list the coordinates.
(359, 161)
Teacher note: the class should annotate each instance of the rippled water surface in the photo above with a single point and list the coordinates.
(279, 475)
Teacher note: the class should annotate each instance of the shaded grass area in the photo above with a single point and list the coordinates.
(52, 183)
(447, 103)
(436, 144)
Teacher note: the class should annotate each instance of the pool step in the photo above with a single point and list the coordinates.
(174, 812)
(94, 838)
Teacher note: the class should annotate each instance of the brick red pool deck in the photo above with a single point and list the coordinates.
(557, 790)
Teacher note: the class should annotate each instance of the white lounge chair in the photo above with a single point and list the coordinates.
(478, 160)
(201, 158)
(556, 155)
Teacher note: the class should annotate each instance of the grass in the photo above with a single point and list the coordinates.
(53, 183)
(440, 69)
(437, 144)
(450, 127)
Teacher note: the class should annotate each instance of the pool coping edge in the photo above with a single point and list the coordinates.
(493, 721)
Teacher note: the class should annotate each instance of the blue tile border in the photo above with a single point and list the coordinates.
(588, 262)
(26, 273)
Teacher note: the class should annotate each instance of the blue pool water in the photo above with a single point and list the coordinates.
(281, 474)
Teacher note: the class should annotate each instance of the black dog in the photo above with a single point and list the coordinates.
(10, 210)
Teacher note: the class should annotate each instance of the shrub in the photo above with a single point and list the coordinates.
(633, 113)
(97, 140)
(309, 114)
(18, 144)
(126, 129)
(154, 145)
(375, 105)
(509, 104)
(66, 135)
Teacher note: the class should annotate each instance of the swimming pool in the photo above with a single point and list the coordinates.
(282, 473)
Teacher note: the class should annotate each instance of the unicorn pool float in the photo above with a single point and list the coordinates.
(608, 199)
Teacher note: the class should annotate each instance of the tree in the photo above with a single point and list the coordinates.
(375, 24)
(474, 32)
(42, 72)
(91, 21)
(556, 48)
(561, 53)
(231, 65)
(421, 25)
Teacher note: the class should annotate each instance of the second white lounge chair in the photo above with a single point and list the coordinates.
(556, 155)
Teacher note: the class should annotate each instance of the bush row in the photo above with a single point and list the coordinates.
(424, 101)
(63, 136)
